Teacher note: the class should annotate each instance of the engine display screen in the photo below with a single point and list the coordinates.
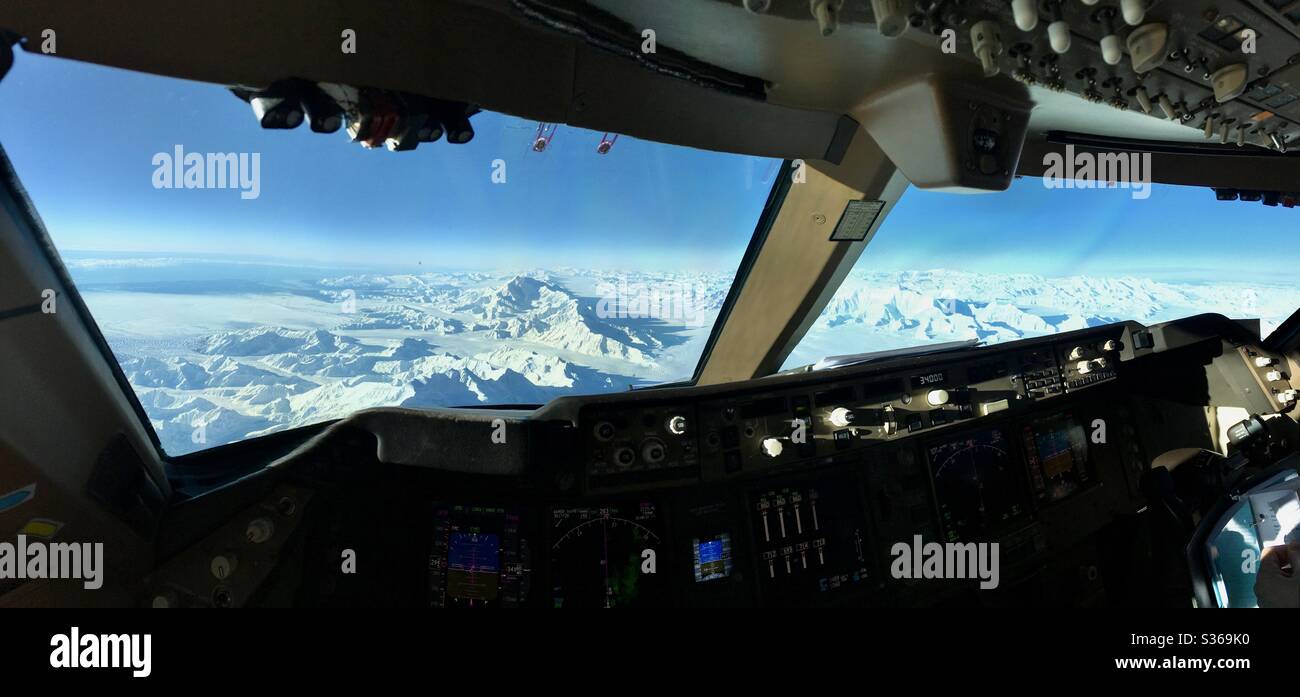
(978, 487)
(712, 558)
(1056, 449)
(479, 557)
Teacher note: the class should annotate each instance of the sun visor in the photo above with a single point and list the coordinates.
(949, 136)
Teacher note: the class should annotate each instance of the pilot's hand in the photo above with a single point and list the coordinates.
(1278, 582)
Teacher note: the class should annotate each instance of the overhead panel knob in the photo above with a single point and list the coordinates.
(937, 398)
(1112, 49)
(1146, 46)
(676, 425)
(1263, 361)
(1025, 12)
(1134, 11)
(1273, 375)
(1058, 34)
(1229, 82)
(771, 447)
(1111, 345)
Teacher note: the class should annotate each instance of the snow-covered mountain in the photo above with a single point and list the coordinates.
(214, 366)
(891, 309)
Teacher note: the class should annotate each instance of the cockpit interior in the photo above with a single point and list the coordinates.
(633, 304)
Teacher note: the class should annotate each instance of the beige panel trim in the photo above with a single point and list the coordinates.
(798, 268)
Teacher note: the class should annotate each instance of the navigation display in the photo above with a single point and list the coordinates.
(978, 488)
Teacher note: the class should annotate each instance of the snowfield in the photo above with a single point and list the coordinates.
(219, 360)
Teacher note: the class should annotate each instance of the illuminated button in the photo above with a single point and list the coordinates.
(840, 417)
(772, 447)
(937, 398)
(677, 425)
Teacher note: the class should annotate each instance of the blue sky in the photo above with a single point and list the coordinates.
(1179, 233)
(82, 138)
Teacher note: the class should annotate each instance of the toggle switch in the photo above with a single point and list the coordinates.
(827, 13)
(1144, 99)
(891, 21)
(1224, 130)
(1210, 122)
(987, 42)
(1167, 107)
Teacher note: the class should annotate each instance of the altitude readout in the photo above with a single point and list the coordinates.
(606, 556)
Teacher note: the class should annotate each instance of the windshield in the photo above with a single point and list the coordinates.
(1034, 261)
(332, 278)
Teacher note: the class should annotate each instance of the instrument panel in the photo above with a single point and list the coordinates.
(795, 494)
(796, 490)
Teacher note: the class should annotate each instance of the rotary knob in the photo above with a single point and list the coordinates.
(771, 447)
(840, 417)
(937, 398)
(1263, 361)
(1110, 346)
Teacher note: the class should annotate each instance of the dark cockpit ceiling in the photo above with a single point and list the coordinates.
(772, 84)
